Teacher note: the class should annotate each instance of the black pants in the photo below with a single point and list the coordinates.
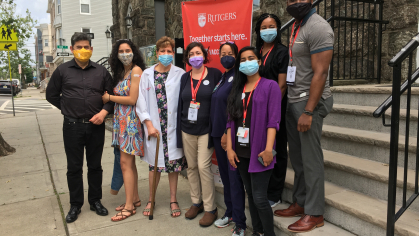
(78, 136)
(277, 181)
(256, 186)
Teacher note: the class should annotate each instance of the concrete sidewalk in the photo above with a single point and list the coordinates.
(34, 195)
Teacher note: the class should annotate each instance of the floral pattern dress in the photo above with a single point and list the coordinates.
(160, 87)
(127, 130)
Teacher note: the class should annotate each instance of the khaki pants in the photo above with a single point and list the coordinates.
(199, 169)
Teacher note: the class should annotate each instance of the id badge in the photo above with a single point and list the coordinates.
(194, 105)
(243, 135)
(291, 75)
(192, 115)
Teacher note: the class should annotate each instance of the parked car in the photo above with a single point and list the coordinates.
(19, 87)
(7, 87)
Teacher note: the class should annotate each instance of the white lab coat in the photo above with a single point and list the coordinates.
(147, 110)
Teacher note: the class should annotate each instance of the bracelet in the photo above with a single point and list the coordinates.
(308, 113)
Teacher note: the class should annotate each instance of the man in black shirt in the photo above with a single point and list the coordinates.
(76, 88)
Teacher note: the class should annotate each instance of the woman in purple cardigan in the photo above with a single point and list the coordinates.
(254, 109)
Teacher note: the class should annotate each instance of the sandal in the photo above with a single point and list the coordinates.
(172, 212)
(148, 209)
(123, 217)
(134, 203)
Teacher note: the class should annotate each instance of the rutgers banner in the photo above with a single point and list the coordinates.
(211, 22)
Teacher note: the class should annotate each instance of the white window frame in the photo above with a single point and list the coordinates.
(59, 5)
(46, 41)
(90, 7)
(89, 28)
(58, 35)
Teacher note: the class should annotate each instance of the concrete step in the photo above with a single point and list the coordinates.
(356, 212)
(369, 95)
(365, 144)
(365, 176)
(360, 117)
(281, 224)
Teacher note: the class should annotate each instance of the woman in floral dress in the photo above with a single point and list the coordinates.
(157, 109)
(127, 67)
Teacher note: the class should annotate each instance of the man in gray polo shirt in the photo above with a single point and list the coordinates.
(309, 102)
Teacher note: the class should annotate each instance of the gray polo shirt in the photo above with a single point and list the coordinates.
(315, 36)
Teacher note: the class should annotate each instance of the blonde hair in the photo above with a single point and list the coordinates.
(164, 42)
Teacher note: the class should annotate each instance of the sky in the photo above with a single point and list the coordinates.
(38, 9)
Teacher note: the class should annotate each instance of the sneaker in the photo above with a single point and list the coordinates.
(223, 222)
(274, 204)
(237, 231)
(256, 234)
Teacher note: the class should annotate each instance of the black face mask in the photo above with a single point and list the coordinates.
(299, 10)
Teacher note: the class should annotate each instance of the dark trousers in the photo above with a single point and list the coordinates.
(257, 188)
(233, 187)
(277, 181)
(77, 137)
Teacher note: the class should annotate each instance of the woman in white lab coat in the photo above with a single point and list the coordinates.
(157, 108)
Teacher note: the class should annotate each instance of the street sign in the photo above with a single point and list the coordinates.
(20, 69)
(4, 46)
(63, 54)
(8, 35)
(62, 47)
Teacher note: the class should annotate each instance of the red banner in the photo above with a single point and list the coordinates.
(211, 22)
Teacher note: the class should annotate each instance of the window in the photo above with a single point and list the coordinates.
(46, 42)
(85, 30)
(58, 36)
(256, 4)
(58, 6)
(129, 27)
(85, 6)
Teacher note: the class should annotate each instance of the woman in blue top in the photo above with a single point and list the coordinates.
(233, 185)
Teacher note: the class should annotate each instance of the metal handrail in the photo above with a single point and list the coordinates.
(101, 59)
(405, 51)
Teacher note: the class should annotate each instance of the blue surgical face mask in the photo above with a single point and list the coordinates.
(249, 68)
(268, 35)
(166, 59)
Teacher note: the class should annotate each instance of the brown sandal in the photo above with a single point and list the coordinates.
(123, 217)
(134, 203)
(148, 209)
(174, 210)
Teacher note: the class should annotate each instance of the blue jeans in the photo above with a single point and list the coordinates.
(117, 179)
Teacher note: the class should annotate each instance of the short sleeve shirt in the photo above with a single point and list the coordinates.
(315, 36)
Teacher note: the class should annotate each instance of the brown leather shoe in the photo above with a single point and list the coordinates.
(194, 211)
(208, 219)
(306, 223)
(293, 210)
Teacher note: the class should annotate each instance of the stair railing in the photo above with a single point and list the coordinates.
(405, 55)
(104, 61)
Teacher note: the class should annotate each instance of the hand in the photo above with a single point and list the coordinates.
(98, 118)
(267, 157)
(105, 97)
(153, 132)
(304, 123)
(224, 142)
(232, 157)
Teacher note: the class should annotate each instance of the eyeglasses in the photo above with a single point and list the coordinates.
(224, 42)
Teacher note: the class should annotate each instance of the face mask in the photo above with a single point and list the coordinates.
(126, 58)
(268, 35)
(196, 62)
(82, 55)
(299, 10)
(228, 62)
(249, 68)
(166, 59)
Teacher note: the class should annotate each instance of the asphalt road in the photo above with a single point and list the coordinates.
(22, 105)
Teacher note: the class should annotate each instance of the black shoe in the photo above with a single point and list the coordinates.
(72, 214)
(99, 208)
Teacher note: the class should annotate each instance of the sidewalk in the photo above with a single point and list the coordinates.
(34, 195)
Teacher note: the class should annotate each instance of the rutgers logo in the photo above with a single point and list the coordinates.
(202, 19)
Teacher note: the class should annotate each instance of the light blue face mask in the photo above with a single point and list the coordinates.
(166, 59)
(249, 68)
(268, 35)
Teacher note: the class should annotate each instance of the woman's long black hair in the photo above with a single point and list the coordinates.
(117, 67)
(259, 40)
(234, 101)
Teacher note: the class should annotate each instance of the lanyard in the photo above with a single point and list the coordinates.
(221, 80)
(195, 91)
(267, 55)
(292, 42)
(248, 100)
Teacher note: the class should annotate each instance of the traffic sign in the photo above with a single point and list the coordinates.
(4, 46)
(8, 35)
(63, 54)
(62, 47)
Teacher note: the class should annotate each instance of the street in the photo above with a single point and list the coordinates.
(30, 101)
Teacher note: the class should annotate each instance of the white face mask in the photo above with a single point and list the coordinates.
(126, 58)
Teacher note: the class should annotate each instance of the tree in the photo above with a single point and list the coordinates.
(29, 74)
(5, 148)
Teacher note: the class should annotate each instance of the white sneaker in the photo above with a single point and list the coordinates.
(274, 204)
(223, 222)
(237, 231)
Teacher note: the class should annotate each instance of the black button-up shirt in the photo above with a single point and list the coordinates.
(78, 92)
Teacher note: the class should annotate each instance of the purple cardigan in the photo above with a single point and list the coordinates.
(266, 113)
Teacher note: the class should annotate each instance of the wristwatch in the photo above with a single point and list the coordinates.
(308, 113)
